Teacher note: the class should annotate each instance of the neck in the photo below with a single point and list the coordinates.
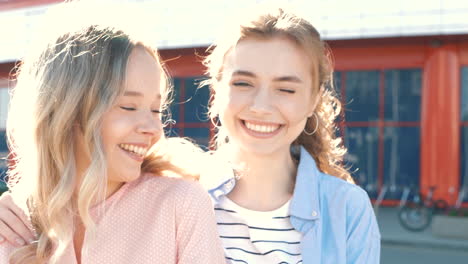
(266, 181)
(111, 187)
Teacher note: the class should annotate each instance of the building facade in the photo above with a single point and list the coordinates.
(402, 79)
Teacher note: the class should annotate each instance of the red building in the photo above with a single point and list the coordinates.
(406, 107)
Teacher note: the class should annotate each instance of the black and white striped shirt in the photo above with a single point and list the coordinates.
(256, 237)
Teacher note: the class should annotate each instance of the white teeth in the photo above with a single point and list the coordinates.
(132, 148)
(261, 128)
(141, 150)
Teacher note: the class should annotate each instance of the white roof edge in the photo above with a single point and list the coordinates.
(184, 27)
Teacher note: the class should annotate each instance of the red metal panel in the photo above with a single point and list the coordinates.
(184, 62)
(192, 125)
(463, 53)
(440, 130)
(381, 57)
(6, 69)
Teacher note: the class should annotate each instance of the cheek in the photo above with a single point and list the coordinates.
(228, 101)
(295, 112)
(158, 136)
(114, 129)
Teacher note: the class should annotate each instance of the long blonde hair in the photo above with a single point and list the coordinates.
(323, 145)
(71, 81)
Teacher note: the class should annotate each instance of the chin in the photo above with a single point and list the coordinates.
(259, 149)
(134, 176)
(129, 175)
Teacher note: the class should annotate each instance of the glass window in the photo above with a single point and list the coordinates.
(385, 152)
(362, 144)
(3, 161)
(3, 143)
(464, 161)
(4, 102)
(196, 107)
(401, 159)
(464, 129)
(403, 95)
(201, 135)
(337, 82)
(189, 110)
(3, 185)
(337, 86)
(464, 156)
(361, 90)
(177, 101)
(172, 132)
(464, 94)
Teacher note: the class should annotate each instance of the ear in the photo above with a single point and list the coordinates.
(315, 101)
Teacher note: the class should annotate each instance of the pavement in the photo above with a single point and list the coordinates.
(393, 233)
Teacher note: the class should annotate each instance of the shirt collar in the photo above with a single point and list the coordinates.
(218, 181)
(223, 188)
(305, 201)
(218, 177)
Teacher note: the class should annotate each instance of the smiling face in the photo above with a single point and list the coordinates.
(265, 94)
(133, 124)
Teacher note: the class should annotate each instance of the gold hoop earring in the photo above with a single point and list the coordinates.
(316, 126)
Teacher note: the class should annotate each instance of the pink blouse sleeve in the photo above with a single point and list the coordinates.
(197, 236)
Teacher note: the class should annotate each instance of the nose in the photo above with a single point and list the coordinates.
(261, 101)
(149, 124)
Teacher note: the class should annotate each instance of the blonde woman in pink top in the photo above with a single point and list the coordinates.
(85, 125)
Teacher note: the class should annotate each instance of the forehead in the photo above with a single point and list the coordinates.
(143, 72)
(276, 56)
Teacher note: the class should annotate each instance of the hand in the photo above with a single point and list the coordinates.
(12, 227)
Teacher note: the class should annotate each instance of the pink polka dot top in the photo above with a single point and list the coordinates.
(150, 220)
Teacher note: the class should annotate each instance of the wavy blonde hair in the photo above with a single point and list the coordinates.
(71, 81)
(323, 145)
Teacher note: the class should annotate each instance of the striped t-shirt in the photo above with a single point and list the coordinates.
(256, 237)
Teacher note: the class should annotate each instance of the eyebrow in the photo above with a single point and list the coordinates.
(137, 94)
(291, 78)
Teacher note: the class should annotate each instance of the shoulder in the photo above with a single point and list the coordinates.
(344, 198)
(331, 186)
(185, 198)
(171, 187)
(350, 200)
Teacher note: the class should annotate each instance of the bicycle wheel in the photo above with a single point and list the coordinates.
(415, 217)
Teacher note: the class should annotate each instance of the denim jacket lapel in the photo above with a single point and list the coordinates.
(305, 207)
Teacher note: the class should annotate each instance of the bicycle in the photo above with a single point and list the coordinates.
(416, 215)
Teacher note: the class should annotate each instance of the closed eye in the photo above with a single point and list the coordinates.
(156, 111)
(242, 84)
(287, 91)
(128, 108)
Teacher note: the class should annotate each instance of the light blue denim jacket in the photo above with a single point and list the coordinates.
(334, 216)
